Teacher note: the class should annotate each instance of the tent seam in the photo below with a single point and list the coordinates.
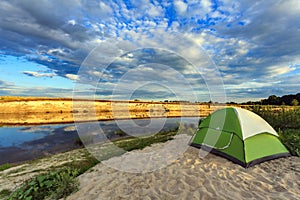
(243, 141)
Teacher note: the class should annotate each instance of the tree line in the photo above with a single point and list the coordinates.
(291, 99)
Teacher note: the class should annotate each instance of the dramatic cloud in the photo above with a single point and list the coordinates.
(254, 44)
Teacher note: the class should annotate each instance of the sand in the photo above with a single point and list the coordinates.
(14, 177)
(139, 175)
(43, 110)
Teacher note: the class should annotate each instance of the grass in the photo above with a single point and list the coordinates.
(286, 121)
(61, 181)
(56, 183)
(140, 143)
(53, 185)
(5, 166)
(4, 193)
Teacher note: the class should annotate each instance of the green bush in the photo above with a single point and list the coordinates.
(286, 121)
(291, 139)
(53, 185)
(283, 117)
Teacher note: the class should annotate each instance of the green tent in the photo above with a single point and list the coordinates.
(239, 135)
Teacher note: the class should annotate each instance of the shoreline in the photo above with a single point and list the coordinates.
(16, 174)
(61, 139)
(12, 177)
(37, 111)
(20, 111)
(44, 123)
(187, 176)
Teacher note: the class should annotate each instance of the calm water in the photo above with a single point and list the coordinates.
(29, 142)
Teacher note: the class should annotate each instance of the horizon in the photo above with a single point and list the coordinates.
(215, 50)
(139, 100)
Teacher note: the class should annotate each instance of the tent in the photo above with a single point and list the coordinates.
(239, 135)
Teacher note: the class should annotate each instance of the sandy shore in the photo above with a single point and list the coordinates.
(144, 175)
(35, 110)
(13, 177)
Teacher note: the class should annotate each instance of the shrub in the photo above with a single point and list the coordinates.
(53, 185)
(286, 121)
(283, 117)
(291, 139)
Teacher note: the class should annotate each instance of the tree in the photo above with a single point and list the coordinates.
(295, 102)
(273, 100)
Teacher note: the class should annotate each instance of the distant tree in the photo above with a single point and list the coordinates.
(231, 103)
(249, 102)
(273, 100)
(295, 102)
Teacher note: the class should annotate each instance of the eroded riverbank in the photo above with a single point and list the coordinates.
(35, 111)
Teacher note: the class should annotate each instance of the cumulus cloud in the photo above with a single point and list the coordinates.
(247, 40)
(180, 6)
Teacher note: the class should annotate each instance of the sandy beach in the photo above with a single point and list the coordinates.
(143, 174)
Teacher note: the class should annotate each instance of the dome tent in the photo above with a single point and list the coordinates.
(239, 135)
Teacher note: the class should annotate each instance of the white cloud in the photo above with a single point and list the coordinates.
(36, 74)
(155, 11)
(72, 76)
(55, 51)
(280, 70)
(72, 22)
(206, 4)
(104, 7)
(180, 6)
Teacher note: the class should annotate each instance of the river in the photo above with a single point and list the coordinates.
(23, 143)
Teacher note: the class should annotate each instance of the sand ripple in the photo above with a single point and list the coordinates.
(192, 177)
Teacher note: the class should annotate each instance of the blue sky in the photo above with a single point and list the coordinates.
(185, 49)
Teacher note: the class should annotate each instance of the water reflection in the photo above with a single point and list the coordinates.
(29, 142)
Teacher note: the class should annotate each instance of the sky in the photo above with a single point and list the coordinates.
(220, 50)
